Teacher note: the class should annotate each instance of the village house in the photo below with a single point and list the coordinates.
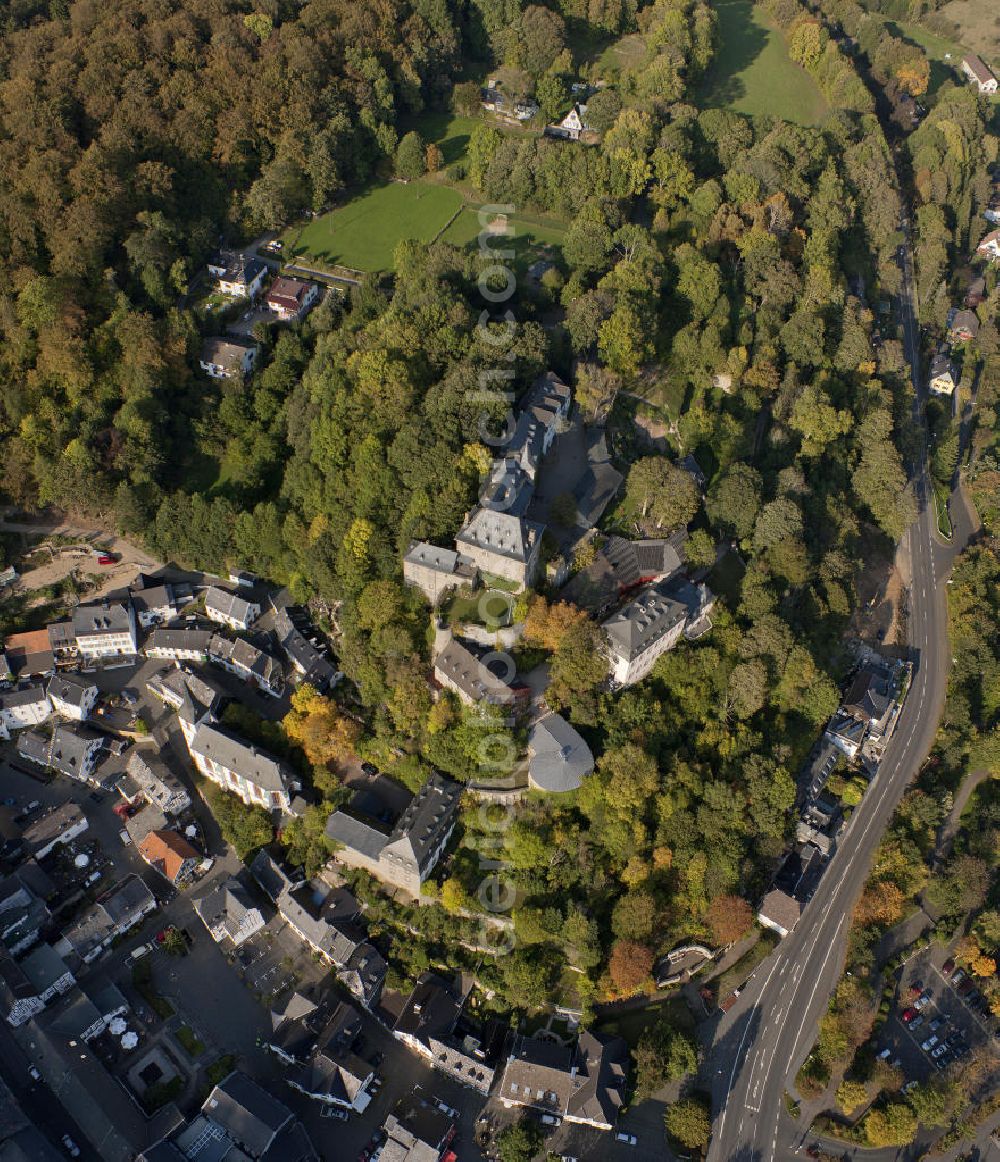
(408, 855)
(779, 911)
(418, 1131)
(169, 853)
(179, 645)
(238, 766)
(71, 751)
(26, 987)
(61, 825)
(227, 358)
(651, 624)
(230, 609)
(255, 1121)
(427, 1025)
(148, 777)
(942, 374)
(115, 913)
(105, 629)
(192, 695)
(963, 326)
(72, 695)
(979, 74)
(308, 660)
(436, 571)
(154, 604)
(29, 655)
(585, 1083)
(248, 663)
(558, 758)
(846, 733)
(237, 274)
(333, 1073)
(459, 667)
(291, 298)
(571, 126)
(229, 913)
(990, 245)
(23, 707)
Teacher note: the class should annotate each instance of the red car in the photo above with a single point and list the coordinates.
(909, 1014)
(105, 559)
(948, 967)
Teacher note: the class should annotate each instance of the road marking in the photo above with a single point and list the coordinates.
(739, 1049)
(819, 977)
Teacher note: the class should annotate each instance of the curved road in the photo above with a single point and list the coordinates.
(763, 1040)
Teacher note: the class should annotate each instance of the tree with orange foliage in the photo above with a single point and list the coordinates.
(881, 903)
(630, 966)
(729, 918)
(546, 625)
(318, 726)
(983, 965)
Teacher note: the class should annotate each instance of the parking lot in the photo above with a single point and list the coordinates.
(936, 1021)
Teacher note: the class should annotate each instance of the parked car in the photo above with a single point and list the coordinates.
(948, 967)
(959, 976)
(333, 1112)
(453, 1113)
(923, 1000)
(547, 1119)
(628, 1139)
(884, 1055)
(929, 1044)
(909, 1014)
(34, 1074)
(939, 1051)
(917, 1021)
(72, 1149)
(936, 1024)
(124, 836)
(106, 559)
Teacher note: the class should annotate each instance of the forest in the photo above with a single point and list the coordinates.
(134, 135)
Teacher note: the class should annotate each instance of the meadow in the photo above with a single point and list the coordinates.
(753, 73)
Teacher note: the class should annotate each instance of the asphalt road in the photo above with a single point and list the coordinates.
(761, 1043)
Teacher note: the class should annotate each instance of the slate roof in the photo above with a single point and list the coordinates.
(781, 908)
(432, 557)
(501, 533)
(430, 1010)
(246, 658)
(965, 321)
(180, 639)
(22, 696)
(559, 759)
(125, 898)
(43, 966)
(315, 667)
(154, 778)
(227, 903)
(978, 69)
(249, 1114)
(458, 662)
(153, 599)
(52, 825)
(428, 816)
(269, 875)
(355, 834)
(643, 621)
(101, 618)
(869, 696)
(236, 755)
(227, 604)
(70, 688)
(940, 365)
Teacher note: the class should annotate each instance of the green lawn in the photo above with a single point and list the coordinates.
(752, 72)
(529, 231)
(364, 234)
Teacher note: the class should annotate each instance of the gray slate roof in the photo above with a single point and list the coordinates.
(501, 533)
(249, 1114)
(180, 639)
(22, 696)
(462, 666)
(559, 759)
(234, 754)
(101, 618)
(634, 628)
(227, 604)
(70, 688)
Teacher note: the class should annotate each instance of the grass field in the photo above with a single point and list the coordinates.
(529, 230)
(753, 73)
(364, 233)
(980, 28)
